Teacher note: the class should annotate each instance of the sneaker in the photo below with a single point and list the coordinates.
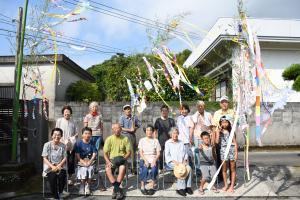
(189, 191)
(70, 182)
(81, 189)
(60, 196)
(151, 192)
(87, 189)
(144, 192)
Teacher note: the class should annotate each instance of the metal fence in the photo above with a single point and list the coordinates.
(6, 118)
(7, 92)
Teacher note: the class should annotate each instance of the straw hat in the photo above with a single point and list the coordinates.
(181, 171)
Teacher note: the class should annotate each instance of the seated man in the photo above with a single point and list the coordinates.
(85, 153)
(176, 154)
(116, 152)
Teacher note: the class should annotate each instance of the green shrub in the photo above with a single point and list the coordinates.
(292, 72)
(83, 91)
(296, 85)
(110, 78)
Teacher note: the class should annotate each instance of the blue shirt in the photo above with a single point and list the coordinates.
(175, 151)
(85, 150)
(126, 122)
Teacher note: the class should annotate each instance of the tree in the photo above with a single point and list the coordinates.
(182, 56)
(110, 78)
(83, 91)
(292, 73)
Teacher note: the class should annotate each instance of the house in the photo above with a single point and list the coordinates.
(280, 47)
(55, 84)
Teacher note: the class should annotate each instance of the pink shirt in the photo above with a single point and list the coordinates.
(202, 123)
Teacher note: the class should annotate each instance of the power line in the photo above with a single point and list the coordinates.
(82, 42)
(131, 19)
(5, 22)
(5, 16)
(62, 45)
(63, 42)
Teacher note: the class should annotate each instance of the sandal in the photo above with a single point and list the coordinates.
(102, 188)
(230, 190)
(201, 191)
(224, 189)
(215, 190)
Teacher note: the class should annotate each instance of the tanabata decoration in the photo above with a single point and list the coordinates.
(32, 77)
(251, 87)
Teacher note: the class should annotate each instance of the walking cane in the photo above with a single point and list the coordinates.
(133, 126)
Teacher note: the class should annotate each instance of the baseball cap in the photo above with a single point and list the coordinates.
(224, 98)
(126, 106)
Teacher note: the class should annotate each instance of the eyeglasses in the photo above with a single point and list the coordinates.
(56, 135)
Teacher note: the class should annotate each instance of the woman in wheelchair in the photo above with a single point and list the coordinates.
(149, 151)
(85, 153)
(54, 158)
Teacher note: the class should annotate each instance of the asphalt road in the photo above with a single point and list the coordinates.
(273, 158)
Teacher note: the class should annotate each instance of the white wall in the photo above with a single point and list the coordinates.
(67, 77)
(52, 90)
(7, 74)
(275, 61)
(279, 59)
(7, 77)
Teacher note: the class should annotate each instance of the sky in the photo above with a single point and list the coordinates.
(132, 38)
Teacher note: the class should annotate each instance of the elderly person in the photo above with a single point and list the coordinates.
(85, 154)
(225, 110)
(224, 104)
(202, 122)
(162, 126)
(149, 150)
(116, 152)
(94, 120)
(54, 159)
(129, 125)
(186, 129)
(176, 154)
(69, 128)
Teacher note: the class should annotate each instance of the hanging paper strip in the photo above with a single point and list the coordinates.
(257, 109)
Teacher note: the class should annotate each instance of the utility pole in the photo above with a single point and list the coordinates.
(16, 105)
(18, 40)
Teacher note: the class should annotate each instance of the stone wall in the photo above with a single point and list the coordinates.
(284, 129)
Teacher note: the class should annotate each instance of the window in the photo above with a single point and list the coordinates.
(220, 90)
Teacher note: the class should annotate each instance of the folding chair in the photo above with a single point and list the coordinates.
(97, 172)
(138, 167)
(195, 152)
